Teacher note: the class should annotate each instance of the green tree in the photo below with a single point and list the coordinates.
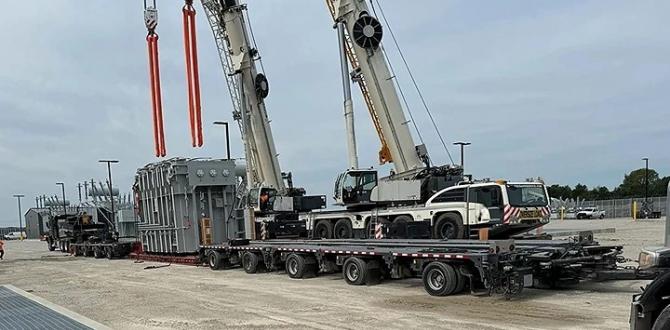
(580, 191)
(633, 184)
(557, 191)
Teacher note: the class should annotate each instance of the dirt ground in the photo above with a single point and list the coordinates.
(124, 295)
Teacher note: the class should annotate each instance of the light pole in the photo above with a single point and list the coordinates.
(462, 144)
(227, 137)
(18, 198)
(646, 180)
(62, 185)
(111, 194)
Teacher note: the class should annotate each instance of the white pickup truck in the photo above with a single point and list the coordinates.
(590, 213)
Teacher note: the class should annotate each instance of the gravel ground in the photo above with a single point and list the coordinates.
(124, 295)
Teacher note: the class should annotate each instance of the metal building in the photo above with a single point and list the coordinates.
(183, 203)
(36, 220)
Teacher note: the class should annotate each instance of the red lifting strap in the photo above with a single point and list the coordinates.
(154, 78)
(192, 76)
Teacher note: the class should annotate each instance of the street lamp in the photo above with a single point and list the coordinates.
(227, 137)
(111, 194)
(462, 144)
(18, 198)
(646, 179)
(62, 185)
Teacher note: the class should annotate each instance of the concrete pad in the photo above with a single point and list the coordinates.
(22, 310)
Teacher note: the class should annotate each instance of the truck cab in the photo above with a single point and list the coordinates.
(353, 188)
(506, 208)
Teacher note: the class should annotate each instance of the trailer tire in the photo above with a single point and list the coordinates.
(462, 280)
(61, 245)
(355, 271)
(97, 253)
(52, 247)
(109, 252)
(250, 262)
(214, 260)
(296, 266)
(448, 226)
(323, 229)
(663, 320)
(343, 229)
(439, 279)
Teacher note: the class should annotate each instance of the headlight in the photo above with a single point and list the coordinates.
(647, 259)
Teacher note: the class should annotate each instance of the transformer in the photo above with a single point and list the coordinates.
(184, 203)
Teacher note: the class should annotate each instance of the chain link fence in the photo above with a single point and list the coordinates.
(620, 208)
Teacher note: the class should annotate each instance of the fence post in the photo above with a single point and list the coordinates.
(634, 208)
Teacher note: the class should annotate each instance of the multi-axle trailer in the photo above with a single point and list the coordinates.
(445, 266)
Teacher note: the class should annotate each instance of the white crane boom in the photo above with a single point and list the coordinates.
(247, 88)
(364, 33)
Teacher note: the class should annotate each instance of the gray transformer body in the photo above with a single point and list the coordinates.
(184, 203)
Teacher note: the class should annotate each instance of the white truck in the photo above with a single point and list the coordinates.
(590, 213)
(506, 208)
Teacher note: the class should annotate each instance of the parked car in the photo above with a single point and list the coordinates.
(590, 213)
(14, 235)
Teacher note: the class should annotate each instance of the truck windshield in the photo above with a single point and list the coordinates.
(526, 195)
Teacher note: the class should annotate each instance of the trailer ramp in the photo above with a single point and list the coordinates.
(22, 310)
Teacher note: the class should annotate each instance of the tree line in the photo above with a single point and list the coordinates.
(633, 185)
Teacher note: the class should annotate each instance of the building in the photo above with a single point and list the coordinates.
(36, 220)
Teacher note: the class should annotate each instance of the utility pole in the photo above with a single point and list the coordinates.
(646, 179)
(79, 188)
(18, 198)
(462, 144)
(62, 185)
(111, 193)
(227, 137)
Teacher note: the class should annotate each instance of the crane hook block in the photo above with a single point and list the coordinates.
(151, 18)
(262, 86)
(368, 32)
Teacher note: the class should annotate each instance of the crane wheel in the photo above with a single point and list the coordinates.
(448, 226)
(343, 229)
(323, 229)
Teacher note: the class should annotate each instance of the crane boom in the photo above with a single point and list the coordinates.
(367, 59)
(247, 88)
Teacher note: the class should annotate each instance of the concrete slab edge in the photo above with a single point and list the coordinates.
(59, 309)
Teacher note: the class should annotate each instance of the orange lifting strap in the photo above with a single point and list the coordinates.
(150, 19)
(192, 77)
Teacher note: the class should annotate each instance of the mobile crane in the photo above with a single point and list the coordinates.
(439, 197)
(269, 197)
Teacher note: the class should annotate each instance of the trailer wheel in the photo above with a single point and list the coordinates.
(61, 245)
(295, 266)
(214, 260)
(461, 281)
(109, 252)
(97, 253)
(250, 262)
(663, 320)
(439, 279)
(323, 229)
(343, 229)
(448, 226)
(355, 271)
(50, 242)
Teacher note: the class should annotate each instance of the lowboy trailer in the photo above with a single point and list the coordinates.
(445, 266)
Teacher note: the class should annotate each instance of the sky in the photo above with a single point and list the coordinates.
(571, 91)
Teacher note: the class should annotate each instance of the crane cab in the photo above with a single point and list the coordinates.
(262, 199)
(354, 187)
